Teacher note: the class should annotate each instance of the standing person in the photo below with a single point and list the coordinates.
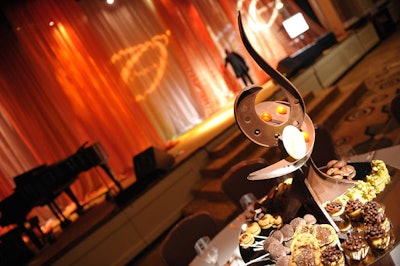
(239, 66)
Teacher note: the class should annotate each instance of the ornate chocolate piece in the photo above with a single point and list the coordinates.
(333, 207)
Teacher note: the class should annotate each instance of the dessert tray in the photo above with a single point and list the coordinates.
(291, 210)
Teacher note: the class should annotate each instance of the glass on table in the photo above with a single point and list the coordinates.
(208, 253)
(247, 199)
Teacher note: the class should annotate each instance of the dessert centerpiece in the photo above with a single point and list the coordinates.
(315, 216)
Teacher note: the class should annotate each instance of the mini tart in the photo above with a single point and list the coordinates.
(305, 228)
(353, 210)
(377, 237)
(305, 250)
(304, 240)
(245, 240)
(305, 256)
(355, 247)
(253, 228)
(325, 234)
(334, 208)
(331, 256)
(266, 221)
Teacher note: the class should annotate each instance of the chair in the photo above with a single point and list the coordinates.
(235, 183)
(177, 248)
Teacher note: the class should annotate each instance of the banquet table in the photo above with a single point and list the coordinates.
(226, 241)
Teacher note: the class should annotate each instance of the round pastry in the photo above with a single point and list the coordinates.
(353, 210)
(325, 234)
(276, 250)
(245, 240)
(277, 234)
(355, 247)
(348, 171)
(377, 237)
(268, 241)
(335, 173)
(331, 256)
(331, 163)
(283, 261)
(340, 169)
(310, 219)
(296, 222)
(339, 164)
(287, 232)
(253, 228)
(266, 221)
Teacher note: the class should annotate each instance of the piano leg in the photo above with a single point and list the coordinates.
(32, 236)
(110, 174)
(64, 221)
(79, 208)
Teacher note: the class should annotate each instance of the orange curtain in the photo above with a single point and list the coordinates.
(59, 90)
(130, 76)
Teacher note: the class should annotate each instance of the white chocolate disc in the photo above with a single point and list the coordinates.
(294, 143)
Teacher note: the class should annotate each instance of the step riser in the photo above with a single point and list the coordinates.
(228, 147)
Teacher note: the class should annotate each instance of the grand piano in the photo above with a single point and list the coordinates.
(43, 184)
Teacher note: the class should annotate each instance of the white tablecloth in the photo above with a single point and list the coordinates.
(226, 242)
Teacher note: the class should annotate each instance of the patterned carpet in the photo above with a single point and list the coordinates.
(369, 124)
